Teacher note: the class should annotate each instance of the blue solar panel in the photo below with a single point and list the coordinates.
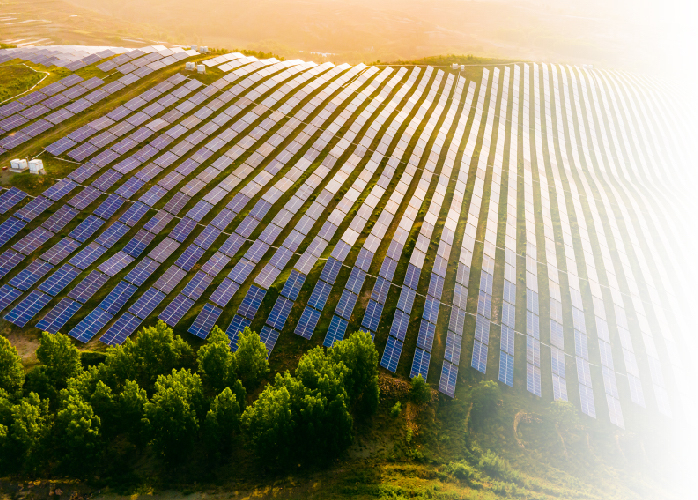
(431, 310)
(235, 328)
(205, 320)
(190, 257)
(112, 234)
(84, 198)
(60, 218)
(87, 256)
(380, 290)
(346, 304)
(57, 317)
(307, 322)
(147, 303)
(9, 228)
(183, 229)
(269, 336)
(293, 285)
(436, 286)
(139, 243)
(109, 207)
(453, 347)
(215, 264)
(321, 292)
(207, 237)
(506, 368)
(28, 308)
(31, 274)
(391, 354)
(356, 280)
(479, 361)
(331, 270)
(142, 271)
(91, 325)
(241, 271)
(60, 279)
(10, 198)
(449, 376)
(175, 310)
(457, 320)
(372, 316)
(250, 304)
(425, 337)
(8, 295)
(223, 219)
(336, 331)
(225, 291)
(401, 322)
(231, 246)
(412, 276)
(420, 364)
(197, 285)
(406, 299)
(279, 313)
(9, 260)
(153, 195)
(59, 189)
(363, 261)
(256, 252)
(123, 327)
(199, 211)
(106, 180)
(31, 242)
(130, 187)
(118, 297)
(115, 264)
(34, 208)
(86, 228)
(84, 290)
(158, 222)
(482, 329)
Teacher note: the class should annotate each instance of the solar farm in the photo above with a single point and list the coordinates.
(495, 226)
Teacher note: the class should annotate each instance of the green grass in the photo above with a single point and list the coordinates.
(16, 79)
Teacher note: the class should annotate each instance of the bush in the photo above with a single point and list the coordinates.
(11, 369)
(397, 409)
(251, 358)
(420, 391)
(461, 470)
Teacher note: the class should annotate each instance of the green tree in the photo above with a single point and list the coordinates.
(171, 414)
(11, 369)
(27, 433)
(216, 363)
(131, 408)
(420, 390)
(156, 351)
(485, 397)
(105, 406)
(358, 353)
(268, 424)
(222, 421)
(563, 415)
(251, 358)
(59, 358)
(77, 434)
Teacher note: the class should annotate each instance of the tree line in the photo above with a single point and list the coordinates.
(155, 393)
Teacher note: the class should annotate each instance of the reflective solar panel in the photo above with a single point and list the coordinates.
(197, 285)
(168, 281)
(420, 364)
(401, 322)
(115, 264)
(90, 325)
(112, 234)
(412, 276)
(372, 316)
(331, 270)
(60, 279)
(449, 376)
(106, 180)
(142, 271)
(431, 310)
(506, 368)
(124, 326)
(479, 360)
(293, 285)
(425, 337)
(57, 317)
(175, 310)
(8, 295)
(269, 336)
(87, 256)
(9, 260)
(406, 300)
(84, 198)
(27, 308)
(117, 297)
(241, 271)
(232, 245)
(60, 218)
(163, 250)
(321, 292)
(205, 320)
(9, 228)
(279, 313)
(250, 304)
(30, 275)
(183, 228)
(336, 331)
(224, 293)
(207, 237)
(177, 203)
(153, 195)
(10, 198)
(188, 259)
(86, 228)
(453, 347)
(109, 206)
(391, 354)
(138, 243)
(215, 264)
(32, 241)
(147, 303)
(346, 304)
(235, 328)
(199, 210)
(356, 280)
(59, 190)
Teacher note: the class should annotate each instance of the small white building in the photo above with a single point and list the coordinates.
(201, 69)
(18, 165)
(203, 49)
(194, 47)
(191, 66)
(36, 166)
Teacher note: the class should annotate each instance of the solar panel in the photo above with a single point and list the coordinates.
(336, 331)
(30, 275)
(320, 294)
(84, 290)
(153, 195)
(8, 295)
(190, 257)
(420, 364)
(453, 347)
(9, 260)
(449, 376)
(269, 336)
(109, 206)
(117, 297)
(412, 276)
(372, 316)
(235, 328)
(293, 285)
(60, 279)
(138, 243)
(86, 228)
(60, 218)
(106, 180)
(163, 250)
(33, 241)
(431, 310)
(205, 320)
(346, 304)
(307, 322)
(183, 229)
(116, 263)
(250, 304)
(406, 300)
(87, 256)
(482, 329)
(197, 285)
(223, 219)
(479, 361)
(198, 211)
(356, 280)
(91, 325)
(112, 234)
(232, 245)
(28, 308)
(279, 313)
(123, 327)
(207, 237)
(57, 317)
(175, 310)
(9, 228)
(425, 337)
(147, 303)
(256, 252)
(241, 271)
(363, 261)
(177, 203)
(224, 293)
(10, 198)
(84, 198)
(331, 270)
(391, 354)
(59, 190)
(506, 368)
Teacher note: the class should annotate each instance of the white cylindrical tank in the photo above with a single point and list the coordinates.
(194, 47)
(203, 49)
(18, 164)
(191, 66)
(36, 166)
(201, 69)
(462, 67)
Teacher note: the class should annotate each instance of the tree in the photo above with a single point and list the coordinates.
(563, 415)
(222, 420)
(171, 414)
(77, 433)
(358, 353)
(485, 397)
(59, 358)
(131, 406)
(27, 432)
(420, 390)
(156, 351)
(11, 369)
(268, 423)
(251, 358)
(104, 405)
(216, 363)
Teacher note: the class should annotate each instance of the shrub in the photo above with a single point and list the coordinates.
(420, 391)
(397, 409)
(461, 470)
